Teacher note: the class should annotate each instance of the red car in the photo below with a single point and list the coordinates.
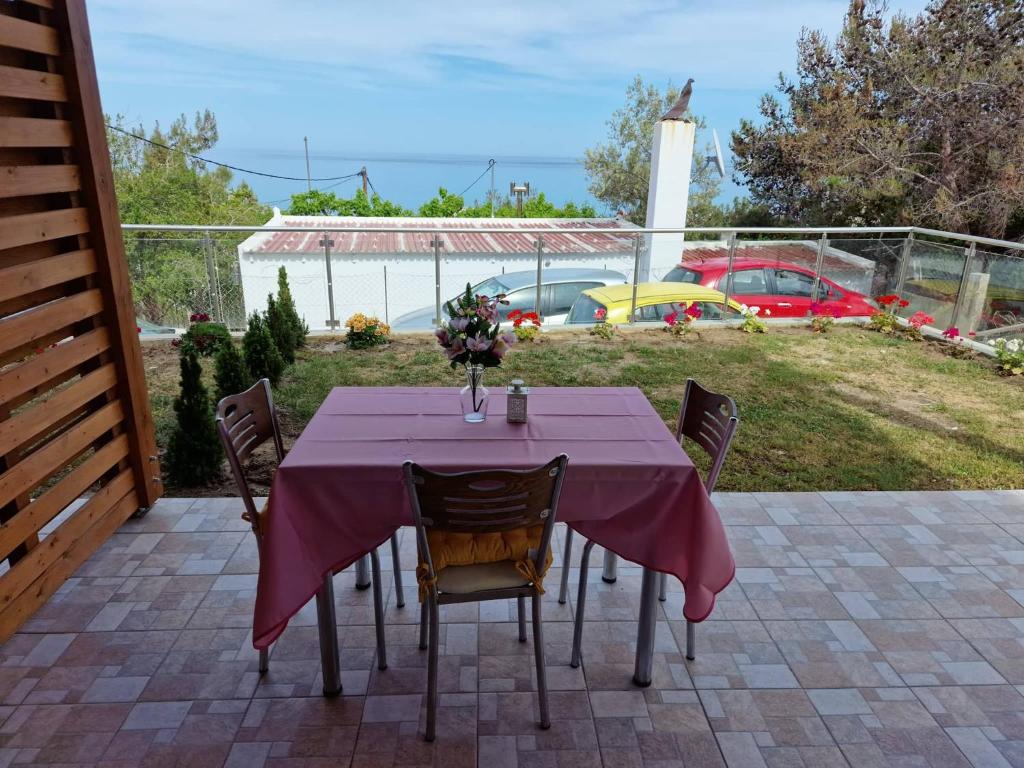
(785, 289)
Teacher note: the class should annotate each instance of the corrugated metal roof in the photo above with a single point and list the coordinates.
(501, 236)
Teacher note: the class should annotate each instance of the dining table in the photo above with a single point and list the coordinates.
(629, 486)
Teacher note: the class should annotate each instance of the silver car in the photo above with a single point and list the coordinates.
(559, 289)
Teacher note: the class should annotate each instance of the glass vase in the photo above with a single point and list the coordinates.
(474, 395)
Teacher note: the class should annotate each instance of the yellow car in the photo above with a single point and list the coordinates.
(611, 303)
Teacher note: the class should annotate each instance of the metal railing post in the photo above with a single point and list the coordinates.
(327, 243)
(540, 273)
(822, 246)
(435, 243)
(211, 278)
(636, 274)
(728, 271)
(386, 319)
(958, 303)
(908, 247)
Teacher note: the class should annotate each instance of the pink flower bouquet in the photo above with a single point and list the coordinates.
(472, 333)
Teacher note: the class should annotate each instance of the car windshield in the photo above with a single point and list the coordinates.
(489, 287)
(584, 310)
(682, 275)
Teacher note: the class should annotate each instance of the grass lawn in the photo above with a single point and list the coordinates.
(850, 410)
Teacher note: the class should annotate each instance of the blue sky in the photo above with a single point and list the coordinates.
(372, 82)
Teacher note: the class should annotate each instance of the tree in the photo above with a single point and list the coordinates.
(620, 170)
(261, 354)
(158, 185)
(281, 331)
(318, 203)
(535, 207)
(285, 301)
(230, 374)
(914, 121)
(194, 450)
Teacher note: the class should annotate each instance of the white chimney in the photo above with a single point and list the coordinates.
(669, 190)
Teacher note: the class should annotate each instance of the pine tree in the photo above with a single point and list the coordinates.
(194, 450)
(281, 329)
(284, 299)
(230, 375)
(261, 353)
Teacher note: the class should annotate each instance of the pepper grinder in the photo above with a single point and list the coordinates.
(515, 410)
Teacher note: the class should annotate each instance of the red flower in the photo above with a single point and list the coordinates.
(199, 317)
(904, 303)
(600, 313)
(971, 334)
(514, 314)
(694, 312)
(671, 318)
(952, 333)
(884, 301)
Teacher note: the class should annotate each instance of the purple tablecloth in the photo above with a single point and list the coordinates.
(629, 485)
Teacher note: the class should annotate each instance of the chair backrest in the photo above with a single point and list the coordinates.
(485, 501)
(709, 419)
(244, 422)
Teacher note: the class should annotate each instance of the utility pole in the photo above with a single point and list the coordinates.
(309, 179)
(520, 191)
(491, 161)
(366, 181)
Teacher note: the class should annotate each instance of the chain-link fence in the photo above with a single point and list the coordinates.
(177, 274)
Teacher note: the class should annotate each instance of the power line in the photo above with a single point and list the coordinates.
(225, 165)
(490, 164)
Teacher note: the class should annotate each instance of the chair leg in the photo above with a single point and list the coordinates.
(378, 612)
(566, 558)
(521, 605)
(396, 566)
(691, 640)
(538, 652)
(581, 599)
(423, 625)
(435, 642)
(264, 660)
(662, 587)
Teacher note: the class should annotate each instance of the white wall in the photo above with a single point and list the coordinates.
(359, 284)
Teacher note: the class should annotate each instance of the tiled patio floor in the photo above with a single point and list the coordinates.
(881, 629)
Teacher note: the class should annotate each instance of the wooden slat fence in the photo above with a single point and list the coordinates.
(74, 416)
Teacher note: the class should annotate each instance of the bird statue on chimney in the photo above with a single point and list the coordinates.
(678, 112)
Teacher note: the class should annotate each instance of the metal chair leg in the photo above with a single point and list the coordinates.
(581, 599)
(435, 642)
(378, 612)
(396, 566)
(521, 605)
(423, 625)
(264, 660)
(662, 587)
(691, 640)
(566, 558)
(538, 652)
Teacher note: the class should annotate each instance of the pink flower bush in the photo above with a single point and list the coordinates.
(952, 333)
(919, 319)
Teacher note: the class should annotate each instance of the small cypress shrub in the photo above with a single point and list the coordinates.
(194, 451)
(230, 375)
(281, 329)
(261, 354)
(284, 298)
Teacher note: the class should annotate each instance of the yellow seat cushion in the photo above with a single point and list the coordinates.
(515, 547)
(465, 579)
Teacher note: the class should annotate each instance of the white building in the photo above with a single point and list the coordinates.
(388, 273)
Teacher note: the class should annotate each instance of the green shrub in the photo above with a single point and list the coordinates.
(194, 451)
(230, 375)
(204, 338)
(365, 332)
(261, 354)
(281, 329)
(287, 305)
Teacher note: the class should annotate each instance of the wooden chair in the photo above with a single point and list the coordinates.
(710, 420)
(488, 501)
(245, 422)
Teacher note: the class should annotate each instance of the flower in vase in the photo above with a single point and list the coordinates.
(478, 343)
